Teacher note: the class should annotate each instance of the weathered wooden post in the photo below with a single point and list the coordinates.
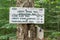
(22, 29)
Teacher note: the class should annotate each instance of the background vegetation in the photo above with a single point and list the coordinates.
(52, 19)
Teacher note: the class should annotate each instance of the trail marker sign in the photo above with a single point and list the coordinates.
(22, 15)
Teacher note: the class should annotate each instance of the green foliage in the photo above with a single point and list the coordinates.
(52, 10)
(52, 35)
(55, 35)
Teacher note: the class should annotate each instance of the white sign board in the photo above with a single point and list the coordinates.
(21, 15)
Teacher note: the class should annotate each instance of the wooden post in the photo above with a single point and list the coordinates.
(22, 29)
(33, 32)
(22, 32)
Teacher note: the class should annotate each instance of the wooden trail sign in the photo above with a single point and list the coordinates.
(26, 31)
(26, 15)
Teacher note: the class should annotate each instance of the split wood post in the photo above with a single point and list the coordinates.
(33, 32)
(22, 29)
